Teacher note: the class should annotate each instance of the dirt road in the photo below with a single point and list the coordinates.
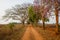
(31, 34)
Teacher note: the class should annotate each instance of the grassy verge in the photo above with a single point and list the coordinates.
(7, 34)
(48, 35)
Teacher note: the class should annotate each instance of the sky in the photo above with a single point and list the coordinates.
(6, 4)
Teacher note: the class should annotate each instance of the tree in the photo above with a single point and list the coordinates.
(18, 12)
(55, 4)
(41, 9)
(32, 15)
(56, 14)
(44, 14)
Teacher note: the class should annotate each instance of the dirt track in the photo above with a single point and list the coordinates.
(31, 34)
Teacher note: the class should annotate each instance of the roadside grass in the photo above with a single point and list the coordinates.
(6, 32)
(48, 34)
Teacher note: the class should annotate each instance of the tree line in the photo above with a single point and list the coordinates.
(32, 14)
(48, 6)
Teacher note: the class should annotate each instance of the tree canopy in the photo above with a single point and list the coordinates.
(18, 12)
(31, 14)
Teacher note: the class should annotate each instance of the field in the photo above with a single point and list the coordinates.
(28, 32)
(49, 33)
(6, 33)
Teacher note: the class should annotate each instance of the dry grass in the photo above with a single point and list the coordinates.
(18, 31)
(15, 34)
(48, 34)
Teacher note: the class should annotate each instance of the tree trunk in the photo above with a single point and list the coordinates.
(23, 24)
(56, 13)
(43, 23)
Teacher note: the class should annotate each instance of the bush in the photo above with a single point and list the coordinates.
(59, 28)
(11, 26)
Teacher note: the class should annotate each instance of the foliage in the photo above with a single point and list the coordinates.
(11, 25)
(17, 13)
(32, 15)
(17, 34)
(46, 19)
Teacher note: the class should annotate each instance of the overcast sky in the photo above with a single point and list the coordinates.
(5, 4)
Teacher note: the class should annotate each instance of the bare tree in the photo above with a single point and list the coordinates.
(42, 9)
(19, 12)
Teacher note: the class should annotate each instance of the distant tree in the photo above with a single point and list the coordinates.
(32, 15)
(19, 12)
(42, 11)
(44, 15)
(37, 12)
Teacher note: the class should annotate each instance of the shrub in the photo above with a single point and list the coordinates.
(11, 26)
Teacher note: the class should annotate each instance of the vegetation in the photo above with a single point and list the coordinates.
(48, 34)
(55, 4)
(6, 34)
(32, 15)
(17, 13)
(11, 26)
